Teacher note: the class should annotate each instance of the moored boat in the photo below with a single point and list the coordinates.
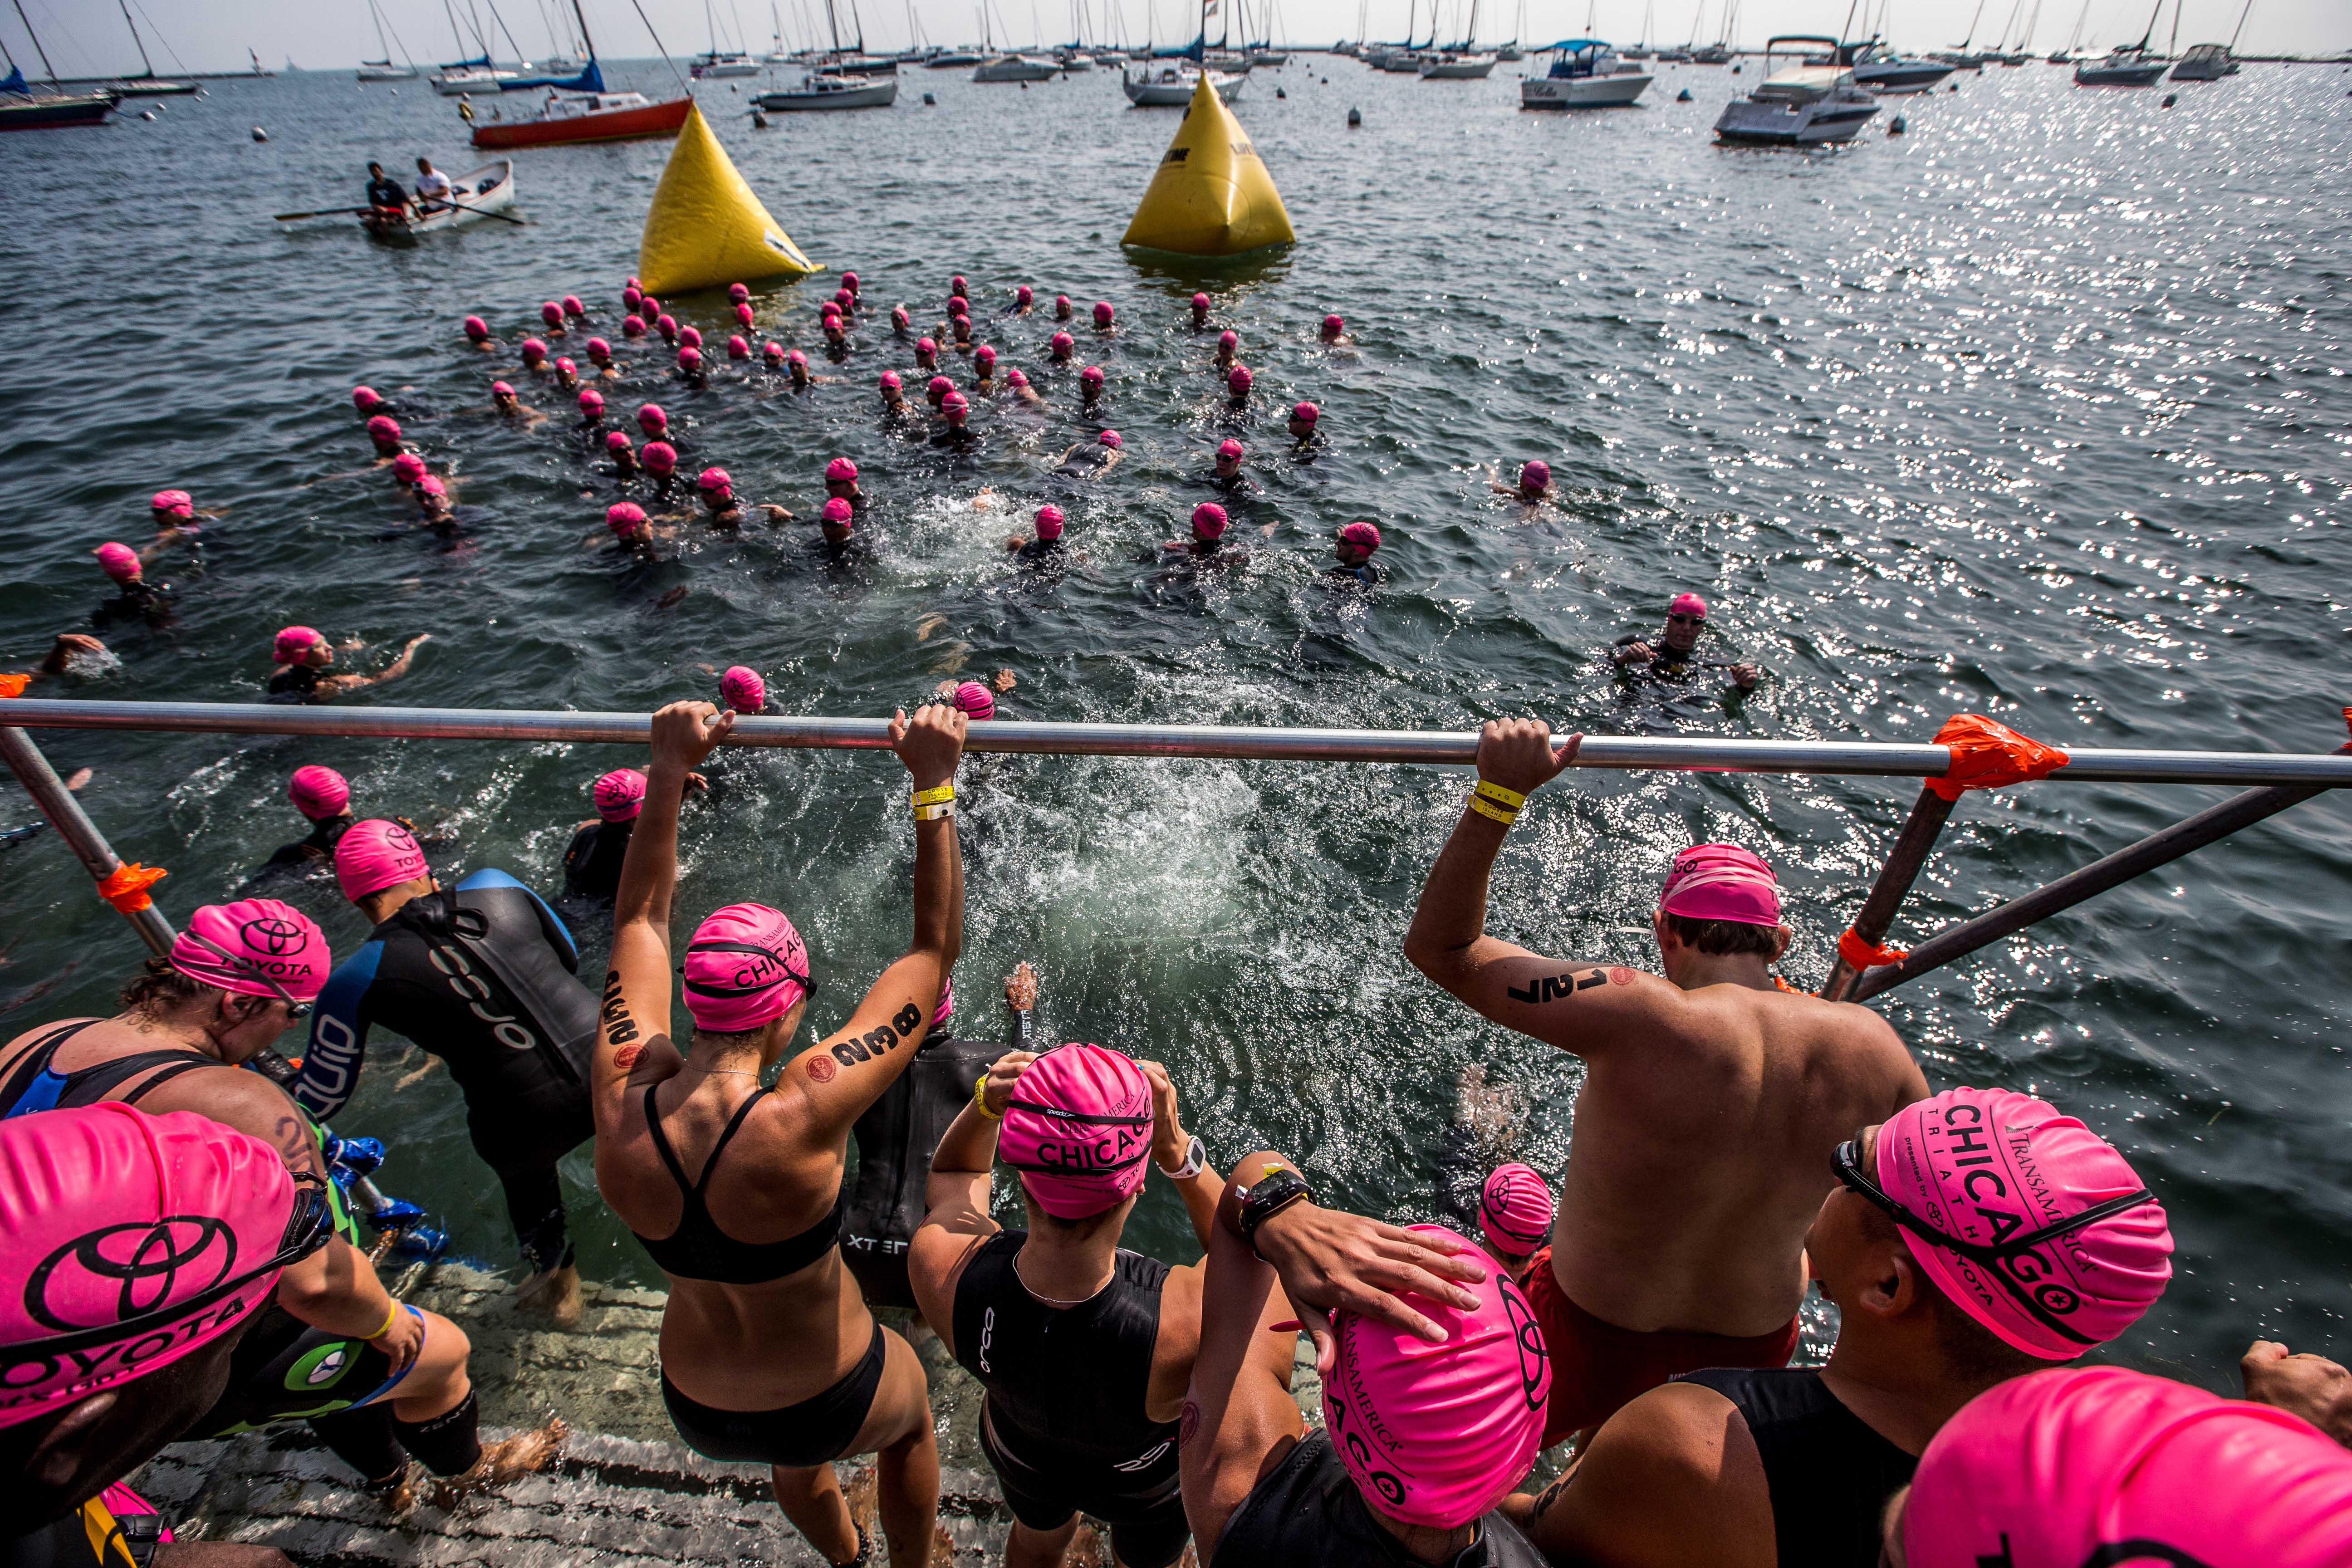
(590, 117)
(1172, 87)
(2130, 66)
(2205, 62)
(1803, 106)
(1881, 70)
(21, 109)
(821, 91)
(1014, 67)
(1451, 66)
(1585, 73)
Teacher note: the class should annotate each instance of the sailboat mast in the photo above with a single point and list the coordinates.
(587, 44)
(2172, 48)
(2241, 26)
(36, 40)
(151, 64)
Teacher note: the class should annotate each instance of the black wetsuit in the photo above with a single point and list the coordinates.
(1040, 551)
(325, 834)
(295, 683)
(1064, 1424)
(592, 864)
(483, 976)
(146, 602)
(1665, 663)
(1308, 1514)
(1366, 575)
(1829, 1474)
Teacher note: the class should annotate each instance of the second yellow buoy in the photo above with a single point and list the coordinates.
(706, 228)
(1211, 194)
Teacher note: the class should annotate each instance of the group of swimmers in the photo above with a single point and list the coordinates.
(1735, 1141)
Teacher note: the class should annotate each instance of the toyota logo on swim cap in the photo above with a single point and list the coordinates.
(274, 935)
(144, 1265)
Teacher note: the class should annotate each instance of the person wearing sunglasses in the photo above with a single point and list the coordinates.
(1711, 1098)
(484, 977)
(1675, 652)
(732, 1184)
(1974, 1236)
(238, 976)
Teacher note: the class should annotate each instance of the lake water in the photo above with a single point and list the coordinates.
(2039, 410)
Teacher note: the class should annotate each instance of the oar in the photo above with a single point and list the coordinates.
(484, 212)
(322, 212)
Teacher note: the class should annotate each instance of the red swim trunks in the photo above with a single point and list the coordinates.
(1597, 1368)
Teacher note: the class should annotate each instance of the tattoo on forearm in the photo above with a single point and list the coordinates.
(1188, 1427)
(1560, 987)
(619, 1028)
(881, 1038)
(1550, 1495)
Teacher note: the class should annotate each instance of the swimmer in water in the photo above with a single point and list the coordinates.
(1090, 390)
(1304, 421)
(534, 356)
(716, 488)
(900, 320)
(407, 471)
(591, 861)
(552, 314)
(1534, 488)
(836, 336)
(623, 455)
(633, 326)
(654, 420)
(1045, 544)
(174, 512)
(369, 402)
(567, 375)
(1062, 311)
(894, 397)
(301, 653)
(935, 391)
(136, 599)
(324, 799)
(926, 354)
(1207, 546)
(1023, 301)
(65, 655)
(433, 507)
(796, 366)
(744, 318)
(660, 460)
(690, 337)
(837, 524)
(738, 350)
(841, 483)
(1090, 459)
(1200, 312)
(689, 369)
(1672, 655)
(634, 534)
(590, 428)
(956, 409)
(573, 310)
(1058, 348)
(509, 406)
(1354, 547)
(1226, 475)
(477, 332)
(1335, 332)
(1237, 387)
(666, 325)
(1016, 381)
(1515, 1210)
(957, 288)
(1104, 318)
(983, 368)
(649, 309)
(962, 325)
(1229, 343)
(383, 431)
(600, 354)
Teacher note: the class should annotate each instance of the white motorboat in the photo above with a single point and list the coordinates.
(1879, 69)
(1260, 55)
(1585, 73)
(1801, 106)
(1070, 57)
(2130, 66)
(723, 63)
(1015, 67)
(2205, 62)
(1451, 66)
(821, 91)
(472, 196)
(949, 59)
(457, 80)
(1172, 87)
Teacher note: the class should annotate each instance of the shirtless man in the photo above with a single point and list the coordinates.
(1710, 1106)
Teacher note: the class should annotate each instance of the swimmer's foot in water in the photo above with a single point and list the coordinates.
(508, 1459)
(399, 1491)
(1493, 1113)
(864, 1499)
(554, 1295)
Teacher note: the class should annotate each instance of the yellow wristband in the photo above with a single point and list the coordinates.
(1489, 809)
(980, 1098)
(934, 813)
(1509, 798)
(933, 796)
(391, 1316)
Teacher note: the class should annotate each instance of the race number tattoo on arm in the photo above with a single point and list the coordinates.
(619, 1026)
(1558, 987)
(881, 1038)
(1550, 1495)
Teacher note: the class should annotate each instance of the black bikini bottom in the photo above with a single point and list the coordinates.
(798, 1437)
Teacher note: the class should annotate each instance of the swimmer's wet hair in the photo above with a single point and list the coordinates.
(1722, 939)
(158, 988)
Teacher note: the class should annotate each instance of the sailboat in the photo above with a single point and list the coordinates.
(1458, 62)
(2128, 64)
(1640, 51)
(719, 62)
(593, 115)
(1173, 86)
(995, 67)
(21, 109)
(459, 78)
(384, 69)
(834, 84)
(147, 84)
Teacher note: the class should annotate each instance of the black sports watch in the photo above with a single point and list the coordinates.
(1273, 1192)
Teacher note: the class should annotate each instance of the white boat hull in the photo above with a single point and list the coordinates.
(728, 68)
(386, 73)
(1152, 94)
(879, 94)
(1582, 91)
(457, 84)
(485, 189)
(1015, 67)
(1476, 69)
(1770, 124)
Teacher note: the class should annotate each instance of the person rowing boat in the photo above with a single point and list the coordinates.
(386, 201)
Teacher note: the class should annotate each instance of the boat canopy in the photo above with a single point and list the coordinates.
(1570, 45)
(1194, 51)
(590, 80)
(16, 82)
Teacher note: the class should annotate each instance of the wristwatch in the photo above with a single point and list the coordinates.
(1273, 1193)
(1196, 1160)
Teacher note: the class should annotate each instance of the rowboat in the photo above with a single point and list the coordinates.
(591, 117)
(489, 189)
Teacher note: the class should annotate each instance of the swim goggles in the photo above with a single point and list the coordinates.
(294, 1010)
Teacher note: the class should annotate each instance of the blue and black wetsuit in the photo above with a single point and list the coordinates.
(591, 863)
(485, 977)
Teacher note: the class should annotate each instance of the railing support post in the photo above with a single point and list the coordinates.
(74, 826)
(1912, 847)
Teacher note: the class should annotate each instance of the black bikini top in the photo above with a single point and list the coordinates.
(698, 1250)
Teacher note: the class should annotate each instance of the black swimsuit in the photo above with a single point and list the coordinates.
(1830, 1473)
(798, 1437)
(1308, 1514)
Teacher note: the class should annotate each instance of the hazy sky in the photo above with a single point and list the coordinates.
(86, 36)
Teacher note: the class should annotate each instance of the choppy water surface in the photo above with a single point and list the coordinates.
(2039, 410)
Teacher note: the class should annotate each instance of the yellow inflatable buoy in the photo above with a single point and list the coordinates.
(1211, 195)
(706, 227)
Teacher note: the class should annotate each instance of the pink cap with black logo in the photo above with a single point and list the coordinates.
(1078, 1128)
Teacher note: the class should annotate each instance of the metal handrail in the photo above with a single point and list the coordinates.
(1687, 752)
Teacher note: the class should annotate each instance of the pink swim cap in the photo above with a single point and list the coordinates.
(572, 307)
(119, 562)
(739, 292)
(983, 354)
(797, 360)
(742, 690)
(1688, 605)
(551, 313)
(533, 351)
(1435, 1433)
(365, 398)
(1515, 1209)
(592, 401)
(632, 328)
(1062, 342)
(844, 298)
(1109, 439)
(690, 336)
(318, 792)
(1103, 312)
(1534, 474)
(1091, 376)
(975, 701)
(1364, 533)
(837, 511)
(1061, 301)
(940, 1014)
(1229, 339)
(1201, 303)
(1023, 296)
(430, 485)
(737, 348)
(477, 329)
(660, 458)
(137, 1238)
(1238, 379)
(955, 403)
(1016, 377)
(500, 389)
(2103, 1465)
(652, 418)
(292, 643)
(1049, 522)
(925, 346)
(1984, 1166)
(744, 969)
(713, 478)
(897, 315)
(1721, 882)
(409, 465)
(849, 281)
(382, 427)
(890, 378)
(624, 516)
(1229, 448)
(939, 385)
(617, 441)
(958, 305)
(599, 350)
(633, 296)
(688, 357)
(1332, 325)
(648, 307)
(620, 794)
(1078, 1129)
(773, 352)
(743, 317)
(374, 855)
(841, 472)
(255, 947)
(1305, 412)
(666, 325)
(179, 503)
(1208, 520)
